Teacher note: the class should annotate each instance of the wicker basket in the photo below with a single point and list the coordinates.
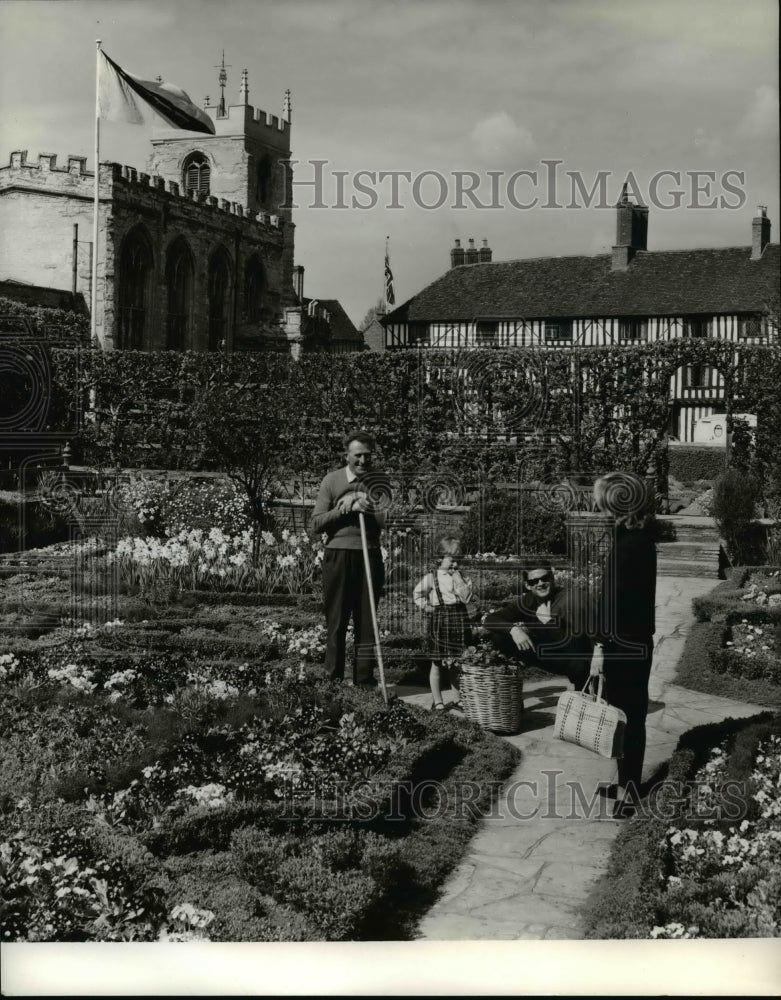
(491, 699)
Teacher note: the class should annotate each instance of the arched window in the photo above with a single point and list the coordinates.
(219, 300)
(196, 173)
(179, 284)
(264, 181)
(254, 289)
(135, 266)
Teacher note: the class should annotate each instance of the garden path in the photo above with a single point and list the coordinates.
(534, 860)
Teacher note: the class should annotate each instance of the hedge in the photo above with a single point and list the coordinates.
(456, 411)
(691, 463)
(726, 596)
(628, 901)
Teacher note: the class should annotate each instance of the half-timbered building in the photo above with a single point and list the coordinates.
(630, 296)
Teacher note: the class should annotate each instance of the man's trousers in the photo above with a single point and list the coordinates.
(346, 594)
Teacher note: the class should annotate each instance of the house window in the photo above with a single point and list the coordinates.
(558, 330)
(419, 334)
(633, 329)
(749, 326)
(487, 333)
(697, 376)
(196, 174)
(694, 326)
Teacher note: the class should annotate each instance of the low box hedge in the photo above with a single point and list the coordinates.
(628, 901)
(691, 463)
(726, 596)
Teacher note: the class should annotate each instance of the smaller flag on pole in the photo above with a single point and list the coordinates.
(122, 96)
(390, 296)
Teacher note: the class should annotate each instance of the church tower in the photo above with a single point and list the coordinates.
(241, 167)
(242, 162)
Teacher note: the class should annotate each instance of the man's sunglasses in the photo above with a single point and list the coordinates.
(534, 581)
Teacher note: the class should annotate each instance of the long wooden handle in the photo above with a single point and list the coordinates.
(367, 565)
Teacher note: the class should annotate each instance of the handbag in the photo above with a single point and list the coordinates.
(587, 720)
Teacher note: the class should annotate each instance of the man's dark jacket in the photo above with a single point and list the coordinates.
(560, 645)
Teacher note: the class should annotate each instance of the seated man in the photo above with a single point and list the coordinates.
(544, 626)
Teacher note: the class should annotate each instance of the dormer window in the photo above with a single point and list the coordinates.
(196, 174)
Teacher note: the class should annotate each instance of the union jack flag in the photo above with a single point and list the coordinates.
(390, 297)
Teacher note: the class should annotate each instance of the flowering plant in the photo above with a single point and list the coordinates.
(485, 658)
(195, 559)
(722, 882)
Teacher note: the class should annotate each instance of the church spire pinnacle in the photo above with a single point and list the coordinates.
(244, 91)
(223, 79)
(287, 107)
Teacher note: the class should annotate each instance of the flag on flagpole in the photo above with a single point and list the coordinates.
(390, 296)
(122, 96)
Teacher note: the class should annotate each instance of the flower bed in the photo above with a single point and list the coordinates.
(725, 883)
(752, 649)
(165, 779)
(703, 860)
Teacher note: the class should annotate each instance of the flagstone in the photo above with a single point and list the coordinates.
(536, 857)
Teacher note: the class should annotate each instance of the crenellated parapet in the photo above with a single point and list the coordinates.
(76, 166)
(116, 179)
(254, 123)
(136, 181)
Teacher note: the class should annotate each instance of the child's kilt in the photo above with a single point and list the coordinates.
(449, 632)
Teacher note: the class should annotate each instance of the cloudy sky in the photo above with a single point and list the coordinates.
(443, 86)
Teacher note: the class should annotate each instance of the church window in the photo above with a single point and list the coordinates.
(219, 300)
(264, 181)
(135, 266)
(196, 174)
(254, 289)
(179, 284)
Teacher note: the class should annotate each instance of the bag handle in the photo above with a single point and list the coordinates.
(589, 684)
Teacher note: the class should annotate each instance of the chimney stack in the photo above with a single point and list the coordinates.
(485, 253)
(760, 232)
(298, 283)
(457, 255)
(631, 231)
(471, 253)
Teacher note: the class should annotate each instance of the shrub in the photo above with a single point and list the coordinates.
(631, 898)
(493, 524)
(734, 498)
(691, 463)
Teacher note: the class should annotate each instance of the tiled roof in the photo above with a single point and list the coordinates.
(656, 283)
(340, 324)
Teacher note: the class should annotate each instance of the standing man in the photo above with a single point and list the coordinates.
(344, 494)
(544, 626)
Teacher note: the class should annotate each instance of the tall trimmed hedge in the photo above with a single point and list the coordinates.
(578, 412)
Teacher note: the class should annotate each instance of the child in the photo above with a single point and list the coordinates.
(443, 595)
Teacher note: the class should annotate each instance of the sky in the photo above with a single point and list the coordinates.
(441, 86)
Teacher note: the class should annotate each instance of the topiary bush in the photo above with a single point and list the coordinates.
(735, 495)
(501, 522)
(691, 463)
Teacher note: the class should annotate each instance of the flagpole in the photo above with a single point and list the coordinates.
(385, 276)
(94, 296)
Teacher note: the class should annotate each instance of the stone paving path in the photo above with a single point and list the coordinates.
(534, 860)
